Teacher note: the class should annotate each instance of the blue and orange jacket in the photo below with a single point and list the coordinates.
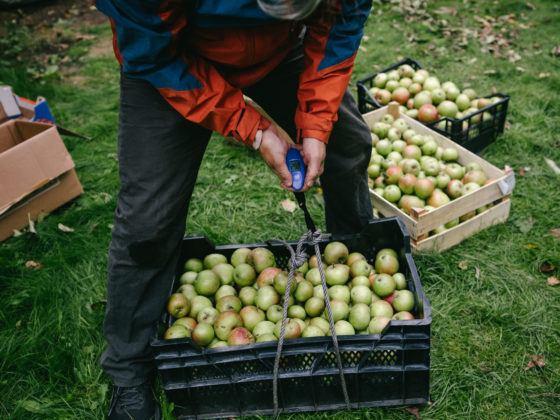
(200, 54)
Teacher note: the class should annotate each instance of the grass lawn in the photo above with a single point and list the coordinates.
(493, 309)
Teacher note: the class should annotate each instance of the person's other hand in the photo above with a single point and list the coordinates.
(313, 152)
(273, 150)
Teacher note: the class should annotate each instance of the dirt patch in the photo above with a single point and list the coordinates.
(46, 13)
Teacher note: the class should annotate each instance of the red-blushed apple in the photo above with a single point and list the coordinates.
(378, 324)
(292, 329)
(423, 188)
(438, 198)
(225, 323)
(178, 306)
(483, 103)
(176, 331)
(414, 88)
(203, 334)
(403, 300)
(411, 151)
(406, 183)
(475, 175)
(239, 336)
(403, 316)
(386, 264)
(455, 188)
(408, 202)
(251, 316)
(383, 96)
(262, 258)
(428, 113)
(405, 70)
(392, 174)
(266, 277)
(401, 95)
(187, 322)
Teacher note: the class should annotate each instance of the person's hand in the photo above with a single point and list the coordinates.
(273, 150)
(313, 152)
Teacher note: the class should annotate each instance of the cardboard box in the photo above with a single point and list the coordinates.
(421, 222)
(36, 173)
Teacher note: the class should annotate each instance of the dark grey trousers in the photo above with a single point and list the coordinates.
(159, 156)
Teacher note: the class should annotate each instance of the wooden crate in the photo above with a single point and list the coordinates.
(420, 222)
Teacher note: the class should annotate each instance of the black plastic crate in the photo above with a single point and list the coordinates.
(380, 370)
(473, 132)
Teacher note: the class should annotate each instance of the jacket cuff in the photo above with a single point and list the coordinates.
(310, 125)
(249, 124)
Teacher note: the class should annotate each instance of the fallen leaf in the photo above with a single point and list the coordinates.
(536, 361)
(521, 172)
(547, 268)
(463, 265)
(544, 75)
(33, 264)
(531, 246)
(485, 369)
(18, 324)
(552, 281)
(65, 228)
(477, 272)
(556, 51)
(531, 6)
(413, 411)
(521, 69)
(555, 232)
(289, 205)
(552, 165)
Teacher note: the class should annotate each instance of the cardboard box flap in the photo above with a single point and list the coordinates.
(37, 155)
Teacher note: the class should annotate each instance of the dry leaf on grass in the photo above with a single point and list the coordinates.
(65, 228)
(555, 232)
(463, 265)
(33, 264)
(553, 281)
(413, 411)
(552, 165)
(477, 272)
(547, 267)
(536, 361)
(289, 205)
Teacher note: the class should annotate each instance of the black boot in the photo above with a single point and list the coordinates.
(134, 403)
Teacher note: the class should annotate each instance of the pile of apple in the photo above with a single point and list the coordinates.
(221, 303)
(410, 170)
(422, 96)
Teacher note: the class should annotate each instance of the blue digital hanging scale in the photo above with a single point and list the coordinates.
(295, 164)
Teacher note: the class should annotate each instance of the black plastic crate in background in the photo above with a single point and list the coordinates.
(380, 370)
(473, 132)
